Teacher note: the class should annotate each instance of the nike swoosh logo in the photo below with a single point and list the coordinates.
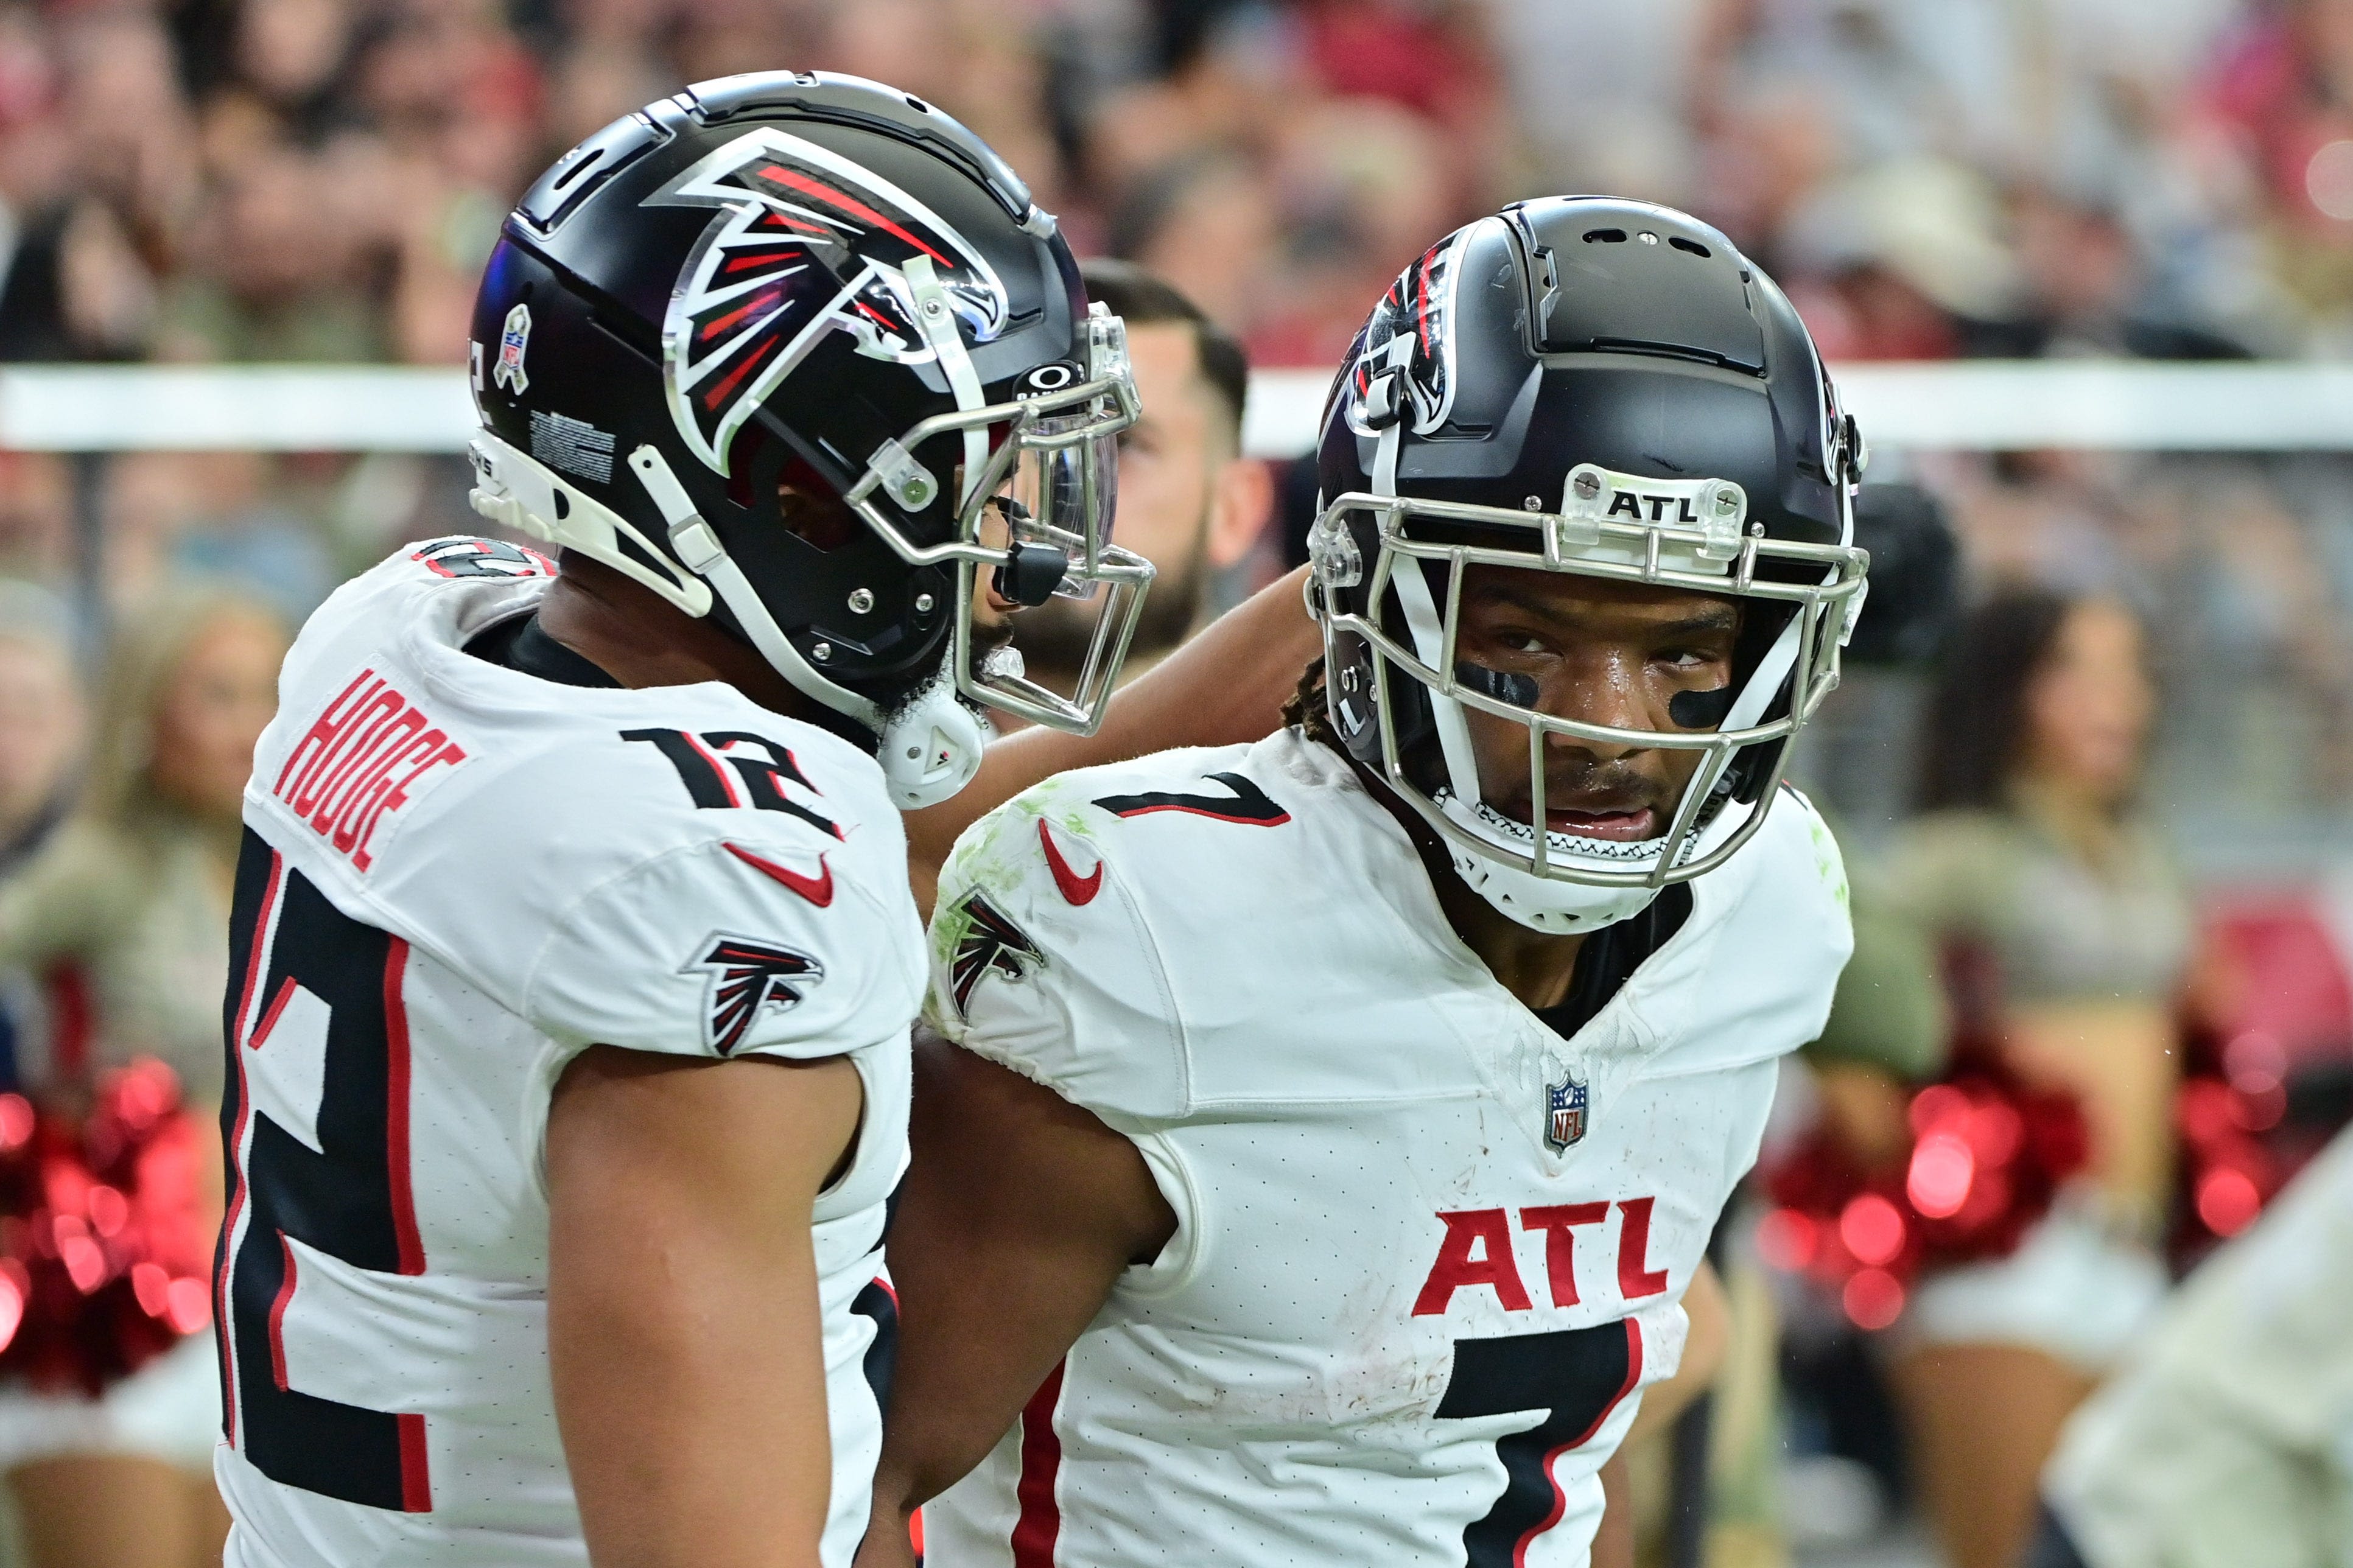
(817, 890)
(1078, 889)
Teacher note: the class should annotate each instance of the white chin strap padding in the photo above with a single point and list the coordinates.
(931, 748)
(1411, 582)
(1749, 708)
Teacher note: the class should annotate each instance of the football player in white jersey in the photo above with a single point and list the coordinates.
(574, 953)
(1327, 1129)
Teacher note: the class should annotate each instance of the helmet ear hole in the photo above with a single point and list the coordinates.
(811, 511)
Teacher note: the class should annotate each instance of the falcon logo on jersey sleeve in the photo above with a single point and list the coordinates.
(806, 243)
(747, 979)
(990, 942)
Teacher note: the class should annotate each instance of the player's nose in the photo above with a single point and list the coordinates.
(1605, 692)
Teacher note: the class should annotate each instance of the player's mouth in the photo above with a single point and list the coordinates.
(1622, 808)
(1630, 826)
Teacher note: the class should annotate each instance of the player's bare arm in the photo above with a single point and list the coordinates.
(1227, 685)
(1018, 1212)
(682, 1302)
(1709, 1335)
(1613, 1542)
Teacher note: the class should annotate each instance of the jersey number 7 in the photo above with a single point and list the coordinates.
(316, 1121)
(1576, 1377)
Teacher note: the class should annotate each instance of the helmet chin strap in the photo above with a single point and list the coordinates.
(1749, 708)
(928, 748)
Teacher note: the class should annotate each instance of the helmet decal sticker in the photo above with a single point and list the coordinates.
(513, 338)
(806, 242)
(1420, 304)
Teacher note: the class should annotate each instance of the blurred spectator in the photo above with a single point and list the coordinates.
(125, 912)
(41, 731)
(35, 518)
(233, 518)
(2067, 932)
(2283, 93)
(269, 279)
(1190, 502)
(40, 719)
(94, 232)
(1900, 260)
(1208, 224)
(2086, 292)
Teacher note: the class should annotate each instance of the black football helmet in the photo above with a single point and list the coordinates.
(797, 352)
(1603, 388)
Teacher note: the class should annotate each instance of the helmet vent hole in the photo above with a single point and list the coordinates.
(917, 104)
(1605, 237)
(562, 504)
(579, 168)
(1695, 247)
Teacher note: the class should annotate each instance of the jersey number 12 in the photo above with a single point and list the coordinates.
(316, 1120)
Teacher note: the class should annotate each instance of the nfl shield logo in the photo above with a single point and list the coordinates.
(1564, 1106)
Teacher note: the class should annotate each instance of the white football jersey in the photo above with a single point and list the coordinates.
(1428, 1252)
(455, 876)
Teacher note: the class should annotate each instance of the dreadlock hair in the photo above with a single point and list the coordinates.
(1310, 711)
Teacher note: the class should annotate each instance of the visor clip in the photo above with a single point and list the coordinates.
(904, 481)
(1722, 508)
(1030, 573)
(1585, 501)
(1338, 563)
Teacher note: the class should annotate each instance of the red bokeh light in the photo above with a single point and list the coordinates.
(2258, 1111)
(1872, 1229)
(2228, 1200)
(16, 1121)
(1873, 1299)
(1995, 1131)
(1787, 1240)
(108, 1211)
(1937, 1107)
(1943, 1167)
(187, 1305)
(149, 1286)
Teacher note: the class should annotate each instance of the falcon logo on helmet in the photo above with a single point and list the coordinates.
(808, 242)
(1415, 322)
(747, 978)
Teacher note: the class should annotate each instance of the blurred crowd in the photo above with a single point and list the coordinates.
(320, 180)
